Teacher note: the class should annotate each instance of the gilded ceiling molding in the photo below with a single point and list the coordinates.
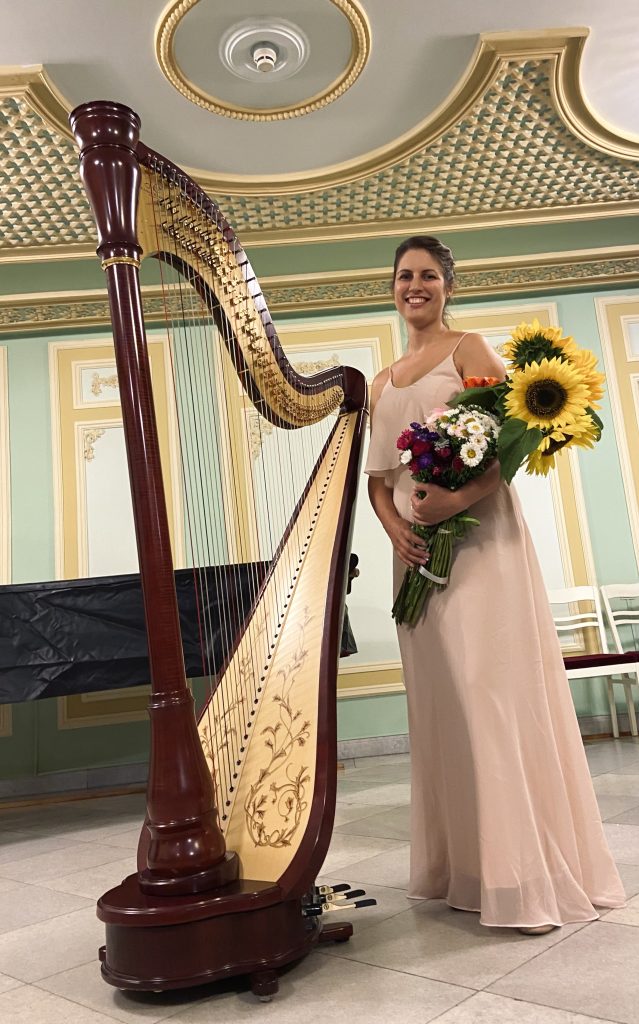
(487, 278)
(514, 144)
(177, 10)
(561, 50)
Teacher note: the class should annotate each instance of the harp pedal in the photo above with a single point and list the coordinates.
(324, 890)
(328, 907)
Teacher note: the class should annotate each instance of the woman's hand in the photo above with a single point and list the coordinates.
(410, 548)
(431, 504)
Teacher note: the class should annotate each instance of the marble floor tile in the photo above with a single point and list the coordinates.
(611, 806)
(15, 846)
(628, 817)
(630, 878)
(85, 985)
(40, 950)
(6, 983)
(374, 794)
(615, 784)
(485, 1008)
(345, 813)
(30, 1005)
(27, 904)
(51, 865)
(325, 988)
(387, 869)
(590, 972)
(623, 841)
(94, 881)
(628, 915)
(387, 824)
(433, 941)
(347, 850)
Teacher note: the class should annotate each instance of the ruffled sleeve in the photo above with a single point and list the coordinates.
(383, 454)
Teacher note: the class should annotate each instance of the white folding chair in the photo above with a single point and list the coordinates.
(621, 607)
(601, 662)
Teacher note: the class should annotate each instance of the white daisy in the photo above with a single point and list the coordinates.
(471, 454)
(406, 457)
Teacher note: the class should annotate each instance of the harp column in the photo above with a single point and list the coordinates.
(186, 852)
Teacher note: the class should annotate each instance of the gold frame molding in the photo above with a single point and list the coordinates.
(349, 289)
(5, 472)
(622, 377)
(495, 53)
(177, 10)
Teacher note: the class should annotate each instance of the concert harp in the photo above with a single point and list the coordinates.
(240, 802)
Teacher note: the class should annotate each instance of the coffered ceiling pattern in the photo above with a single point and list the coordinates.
(516, 142)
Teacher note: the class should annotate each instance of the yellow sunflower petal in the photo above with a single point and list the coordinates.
(548, 395)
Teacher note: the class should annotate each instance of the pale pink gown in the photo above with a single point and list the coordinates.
(504, 818)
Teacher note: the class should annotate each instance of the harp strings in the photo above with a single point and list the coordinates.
(241, 477)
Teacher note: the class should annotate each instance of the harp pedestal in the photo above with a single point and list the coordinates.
(170, 942)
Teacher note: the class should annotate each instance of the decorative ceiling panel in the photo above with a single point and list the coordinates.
(516, 142)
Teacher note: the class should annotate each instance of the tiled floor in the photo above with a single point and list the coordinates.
(409, 962)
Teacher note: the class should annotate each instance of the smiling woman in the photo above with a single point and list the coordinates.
(504, 819)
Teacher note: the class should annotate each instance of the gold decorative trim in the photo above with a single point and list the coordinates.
(613, 316)
(165, 54)
(350, 289)
(89, 437)
(514, 143)
(114, 260)
(494, 51)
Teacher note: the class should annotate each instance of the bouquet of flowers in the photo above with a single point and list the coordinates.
(450, 448)
(547, 402)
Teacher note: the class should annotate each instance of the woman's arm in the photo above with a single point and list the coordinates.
(409, 547)
(440, 503)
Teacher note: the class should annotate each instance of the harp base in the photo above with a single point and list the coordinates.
(171, 942)
(223, 873)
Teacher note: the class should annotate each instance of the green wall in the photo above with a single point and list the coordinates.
(36, 746)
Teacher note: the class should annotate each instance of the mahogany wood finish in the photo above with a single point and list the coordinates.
(186, 851)
(187, 918)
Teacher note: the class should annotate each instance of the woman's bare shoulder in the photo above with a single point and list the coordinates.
(377, 386)
(477, 358)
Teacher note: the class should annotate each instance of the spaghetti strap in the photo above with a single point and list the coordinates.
(458, 342)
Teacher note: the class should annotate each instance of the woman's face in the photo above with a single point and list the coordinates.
(419, 290)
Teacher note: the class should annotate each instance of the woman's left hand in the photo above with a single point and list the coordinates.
(438, 504)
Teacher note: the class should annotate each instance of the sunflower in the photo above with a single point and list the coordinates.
(531, 343)
(547, 395)
(586, 364)
(540, 462)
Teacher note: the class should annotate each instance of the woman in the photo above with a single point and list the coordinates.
(504, 819)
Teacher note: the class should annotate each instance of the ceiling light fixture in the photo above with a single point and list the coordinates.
(264, 56)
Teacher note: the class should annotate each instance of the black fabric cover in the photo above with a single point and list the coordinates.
(78, 636)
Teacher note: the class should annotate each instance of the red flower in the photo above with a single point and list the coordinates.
(443, 453)
(414, 466)
(436, 471)
(405, 440)
(458, 464)
(420, 447)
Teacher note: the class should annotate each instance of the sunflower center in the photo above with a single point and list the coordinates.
(545, 398)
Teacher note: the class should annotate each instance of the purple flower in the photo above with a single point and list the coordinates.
(425, 461)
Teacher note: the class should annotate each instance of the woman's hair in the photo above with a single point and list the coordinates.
(438, 250)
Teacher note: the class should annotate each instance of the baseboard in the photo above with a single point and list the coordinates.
(92, 780)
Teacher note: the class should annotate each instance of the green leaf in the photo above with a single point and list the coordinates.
(595, 419)
(484, 397)
(514, 443)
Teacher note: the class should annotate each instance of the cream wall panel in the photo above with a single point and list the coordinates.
(368, 343)
(553, 505)
(618, 319)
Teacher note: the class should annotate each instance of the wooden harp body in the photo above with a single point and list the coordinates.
(240, 801)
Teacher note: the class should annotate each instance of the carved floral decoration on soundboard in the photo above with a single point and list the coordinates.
(276, 801)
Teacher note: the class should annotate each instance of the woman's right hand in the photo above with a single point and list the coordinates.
(409, 547)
